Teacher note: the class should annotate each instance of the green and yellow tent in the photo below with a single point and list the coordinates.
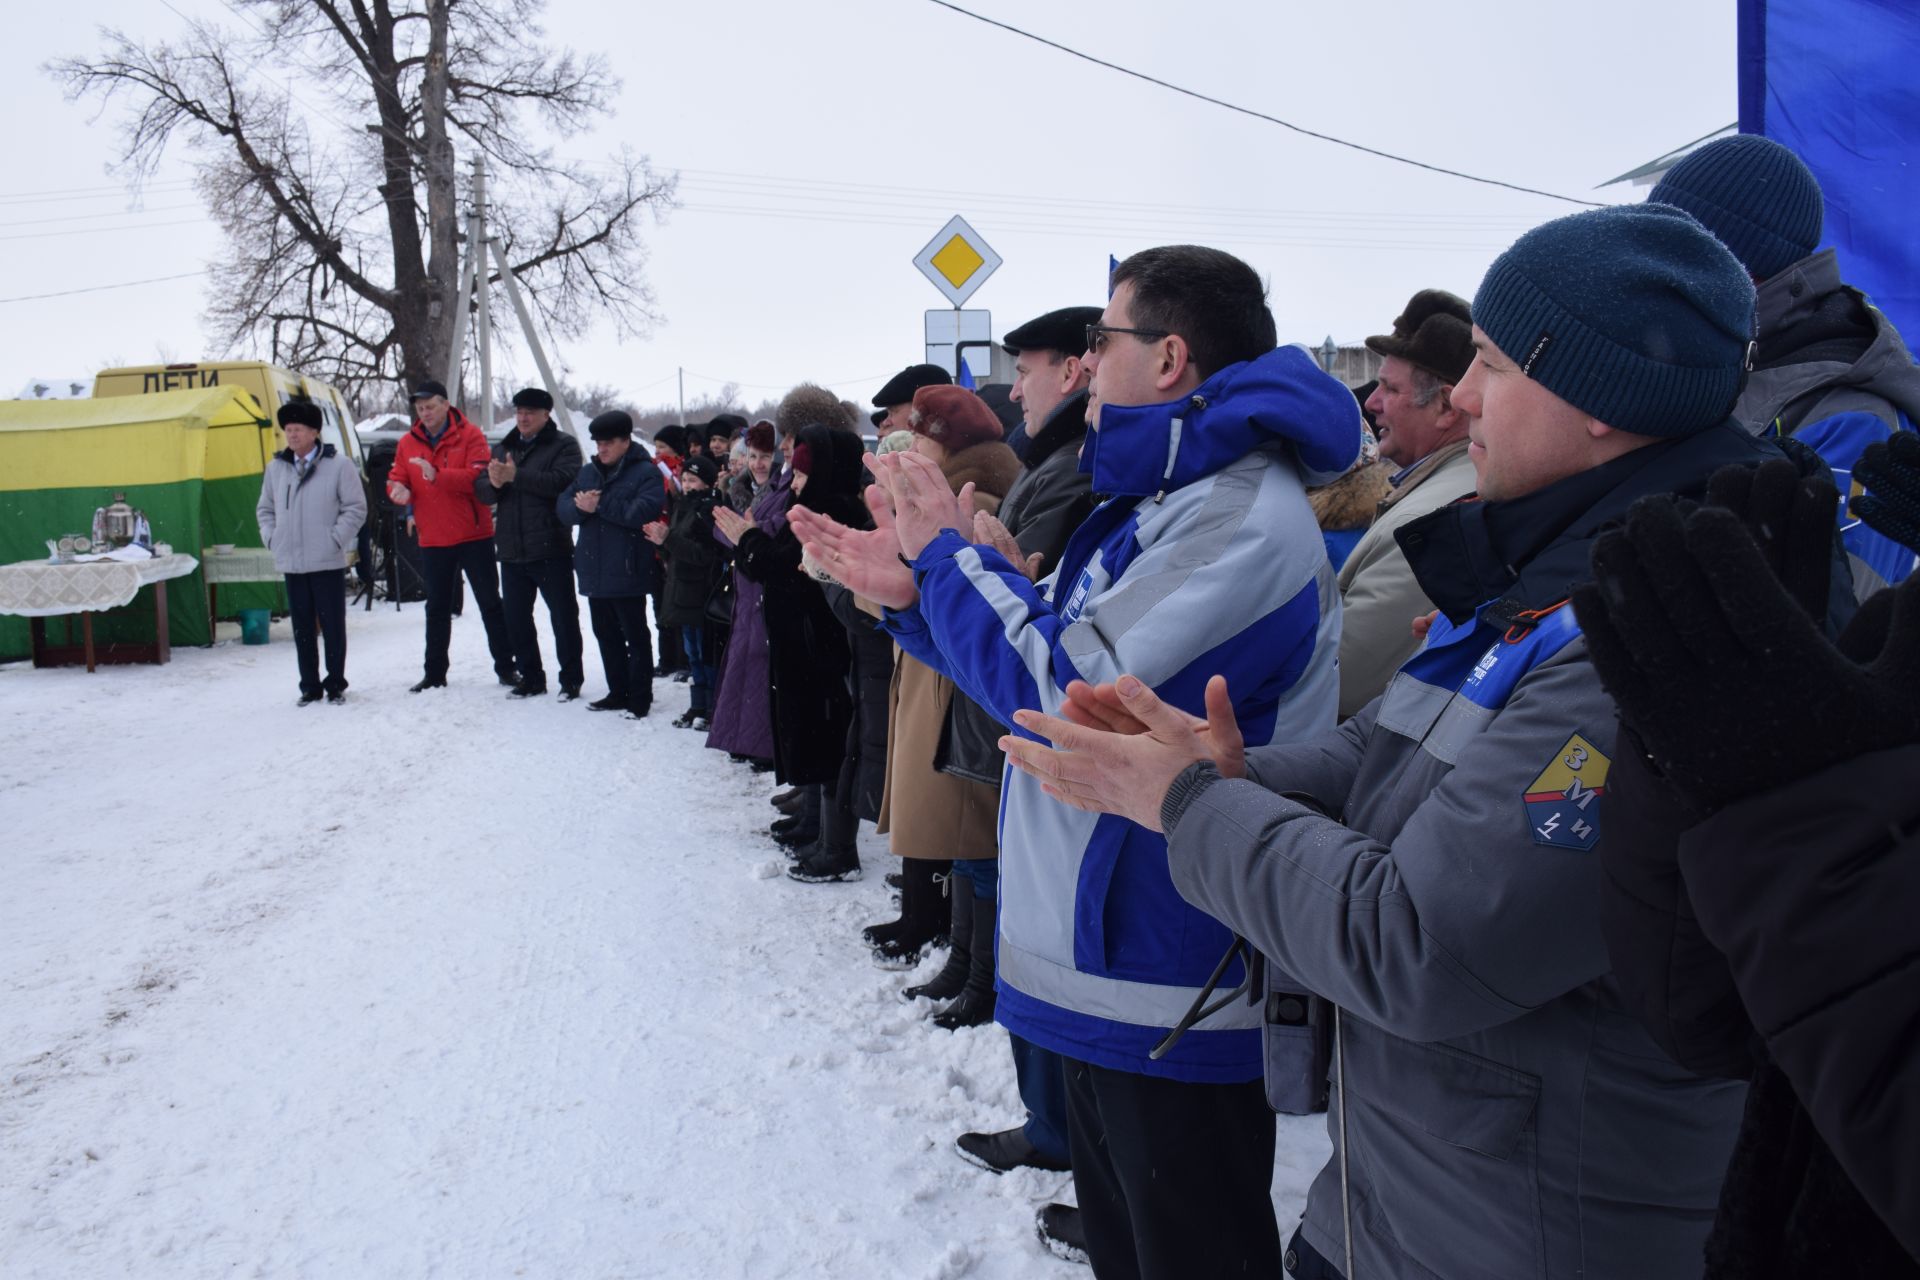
(190, 459)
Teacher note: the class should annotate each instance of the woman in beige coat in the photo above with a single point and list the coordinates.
(930, 817)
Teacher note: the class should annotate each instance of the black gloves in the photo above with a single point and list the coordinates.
(1890, 470)
(1719, 669)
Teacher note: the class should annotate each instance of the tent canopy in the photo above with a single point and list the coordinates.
(190, 459)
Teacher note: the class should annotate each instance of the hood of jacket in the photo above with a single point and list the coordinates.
(455, 421)
(1819, 333)
(1066, 425)
(1281, 400)
(991, 468)
(833, 485)
(1528, 553)
(286, 455)
(1352, 501)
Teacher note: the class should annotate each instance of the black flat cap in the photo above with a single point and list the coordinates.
(532, 398)
(1064, 331)
(1434, 333)
(614, 424)
(901, 386)
(428, 389)
(304, 412)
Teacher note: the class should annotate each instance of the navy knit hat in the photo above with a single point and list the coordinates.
(1754, 194)
(1633, 314)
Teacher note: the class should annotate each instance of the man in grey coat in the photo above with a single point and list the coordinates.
(310, 511)
(1430, 866)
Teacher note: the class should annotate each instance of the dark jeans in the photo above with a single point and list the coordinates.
(1042, 1078)
(552, 579)
(626, 648)
(1173, 1178)
(982, 877)
(319, 599)
(693, 642)
(443, 566)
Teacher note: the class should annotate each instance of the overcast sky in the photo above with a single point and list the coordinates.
(821, 146)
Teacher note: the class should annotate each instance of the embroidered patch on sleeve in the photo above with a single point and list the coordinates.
(1560, 803)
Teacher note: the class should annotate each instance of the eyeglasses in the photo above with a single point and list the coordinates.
(1097, 335)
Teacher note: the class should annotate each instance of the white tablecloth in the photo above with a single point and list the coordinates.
(242, 564)
(37, 589)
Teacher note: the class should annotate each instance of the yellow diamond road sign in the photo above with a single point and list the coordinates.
(957, 260)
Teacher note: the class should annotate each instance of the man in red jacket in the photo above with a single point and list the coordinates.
(434, 469)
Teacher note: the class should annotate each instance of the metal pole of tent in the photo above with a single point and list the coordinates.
(533, 339)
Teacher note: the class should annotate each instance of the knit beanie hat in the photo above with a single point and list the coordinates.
(1633, 314)
(954, 416)
(703, 466)
(1755, 195)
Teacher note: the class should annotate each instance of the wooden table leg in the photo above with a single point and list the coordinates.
(162, 643)
(37, 632)
(86, 629)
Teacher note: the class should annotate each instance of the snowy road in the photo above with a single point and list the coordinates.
(446, 986)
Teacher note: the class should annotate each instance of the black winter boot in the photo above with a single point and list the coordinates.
(802, 827)
(835, 855)
(952, 978)
(974, 1007)
(898, 944)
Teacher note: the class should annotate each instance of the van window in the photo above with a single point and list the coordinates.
(332, 431)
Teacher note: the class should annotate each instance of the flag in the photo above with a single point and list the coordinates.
(1835, 80)
(1113, 265)
(966, 374)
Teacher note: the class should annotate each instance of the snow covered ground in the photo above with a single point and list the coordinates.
(447, 986)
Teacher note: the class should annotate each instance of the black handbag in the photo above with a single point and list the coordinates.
(720, 602)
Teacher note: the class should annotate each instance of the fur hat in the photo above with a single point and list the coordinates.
(1755, 195)
(1434, 333)
(304, 412)
(809, 405)
(895, 442)
(760, 437)
(1633, 314)
(532, 398)
(954, 416)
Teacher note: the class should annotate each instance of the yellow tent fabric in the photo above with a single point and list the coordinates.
(190, 459)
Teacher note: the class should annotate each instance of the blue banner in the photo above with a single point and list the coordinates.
(1839, 82)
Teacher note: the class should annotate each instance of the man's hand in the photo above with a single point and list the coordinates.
(587, 500)
(500, 472)
(1128, 773)
(923, 502)
(426, 469)
(655, 531)
(989, 532)
(864, 561)
(398, 494)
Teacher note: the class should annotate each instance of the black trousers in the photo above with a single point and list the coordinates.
(319, 600)
(552, 580)
(443, 566)
(1173, 1178)
(626, 648)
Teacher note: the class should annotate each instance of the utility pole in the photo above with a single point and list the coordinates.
(481, 242)
(683, 395)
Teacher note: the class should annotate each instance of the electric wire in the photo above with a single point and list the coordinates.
(1259, 115)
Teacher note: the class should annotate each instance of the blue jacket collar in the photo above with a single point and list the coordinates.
(1280, 399)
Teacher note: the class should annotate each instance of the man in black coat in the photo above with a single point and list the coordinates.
(1760, 915)
(528, 470)
(613, 499)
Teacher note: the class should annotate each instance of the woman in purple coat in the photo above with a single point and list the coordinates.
(743, 712)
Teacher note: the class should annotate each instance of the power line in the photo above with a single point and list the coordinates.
(1259, 115)
(102, 288)
(98, 231)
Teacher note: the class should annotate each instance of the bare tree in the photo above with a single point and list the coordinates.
(324, 134)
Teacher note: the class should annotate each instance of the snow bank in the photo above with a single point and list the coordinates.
(448, 986)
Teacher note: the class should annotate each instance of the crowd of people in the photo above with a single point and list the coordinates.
(1511, 756)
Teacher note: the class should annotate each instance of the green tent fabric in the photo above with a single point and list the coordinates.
(190, 459)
